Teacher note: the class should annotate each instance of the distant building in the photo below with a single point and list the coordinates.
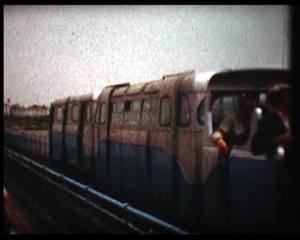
(44, 110)
(33, 111)
(37, 110)
(16, 110)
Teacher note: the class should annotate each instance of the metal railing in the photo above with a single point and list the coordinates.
(85, 194)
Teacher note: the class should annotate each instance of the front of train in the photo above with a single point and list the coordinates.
(240, 190)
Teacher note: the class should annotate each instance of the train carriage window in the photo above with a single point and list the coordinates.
(88, 113)
(120, 107)
(237, 107)
(58, 114)
(75, 113)
(228, 103)
(128, 106)
(146, 105)
(184, 111)
(93, 110)
(223, 107)
(201, 111)
(97, 115)
(69, 112)
(114, 107)
(150, 112)
(165, 111)
(103, 113)
(136, 105)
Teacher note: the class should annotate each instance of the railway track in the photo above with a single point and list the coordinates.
(79, 207)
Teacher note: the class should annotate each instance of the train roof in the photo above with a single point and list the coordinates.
(191, 81)
(229, 79)
(196, 81)
(85, 97)
(248, 79)
(82, 97)
(60, 101)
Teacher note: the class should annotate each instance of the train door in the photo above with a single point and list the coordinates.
(88, 134)
(57, 132)
(73, 134)
(189, 141)
(101, 136)
(188, 130)
(242, 185)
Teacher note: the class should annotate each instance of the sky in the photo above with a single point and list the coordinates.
(53, 52)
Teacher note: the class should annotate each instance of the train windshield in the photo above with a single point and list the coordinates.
(235, 104)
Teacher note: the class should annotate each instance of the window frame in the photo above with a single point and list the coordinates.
(75, 105)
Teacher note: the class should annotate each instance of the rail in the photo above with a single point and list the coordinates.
(154, 225)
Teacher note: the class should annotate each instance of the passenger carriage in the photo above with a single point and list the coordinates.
(56, 130)
(149, 140)
(150, 145)
(242, 190)
(71, 135)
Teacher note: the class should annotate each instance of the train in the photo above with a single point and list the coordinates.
(150, 145)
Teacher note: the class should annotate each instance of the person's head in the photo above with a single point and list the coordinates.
(279, 96)
(248, 102)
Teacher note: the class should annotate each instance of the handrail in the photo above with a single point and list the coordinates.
(49, 175)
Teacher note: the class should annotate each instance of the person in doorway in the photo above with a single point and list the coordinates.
(235, 129)
(273, 129)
